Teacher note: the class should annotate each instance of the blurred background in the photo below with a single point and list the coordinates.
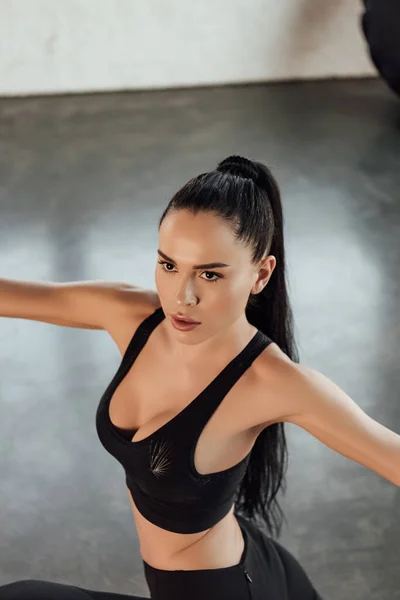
(94, 45)
(106, 109)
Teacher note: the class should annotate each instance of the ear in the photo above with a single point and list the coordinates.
(265, 269)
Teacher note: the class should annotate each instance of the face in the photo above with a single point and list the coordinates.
(215, 296)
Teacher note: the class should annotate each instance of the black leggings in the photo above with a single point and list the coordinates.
(266, 571)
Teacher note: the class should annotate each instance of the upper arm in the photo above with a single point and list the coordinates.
(82, 304)
(329, 414)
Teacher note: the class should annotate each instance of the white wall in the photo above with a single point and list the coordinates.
(49, 46)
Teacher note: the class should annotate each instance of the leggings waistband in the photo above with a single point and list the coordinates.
(163, 583)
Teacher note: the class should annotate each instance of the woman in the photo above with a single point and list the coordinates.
(195, 412)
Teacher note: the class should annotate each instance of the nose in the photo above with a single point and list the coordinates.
(186, 293)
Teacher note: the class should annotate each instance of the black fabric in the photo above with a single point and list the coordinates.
(266, 571)
(39, 589)
(159, 469)
(381, 26)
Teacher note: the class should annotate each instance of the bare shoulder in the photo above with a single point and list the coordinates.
(274, 398)
(135, 305)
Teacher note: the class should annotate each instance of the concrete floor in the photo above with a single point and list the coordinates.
(83, 181)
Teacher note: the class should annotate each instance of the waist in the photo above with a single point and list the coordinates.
(201, 578)
(220, 547)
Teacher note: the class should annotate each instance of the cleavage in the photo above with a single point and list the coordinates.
(141, 404)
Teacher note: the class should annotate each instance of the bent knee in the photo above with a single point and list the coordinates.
(17, 590)
(37, 589)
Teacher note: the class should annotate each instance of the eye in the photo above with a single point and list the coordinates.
(216, 275)
(163, 262)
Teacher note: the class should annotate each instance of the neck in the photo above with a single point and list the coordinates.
(223, 344)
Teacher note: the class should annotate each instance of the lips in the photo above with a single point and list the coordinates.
(185, 320)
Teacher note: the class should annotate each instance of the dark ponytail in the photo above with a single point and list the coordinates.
(245, 194)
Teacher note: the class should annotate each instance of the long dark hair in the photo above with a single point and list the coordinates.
(245, 194)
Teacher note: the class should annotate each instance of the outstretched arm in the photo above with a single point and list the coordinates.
(329, 414)
(80, 304)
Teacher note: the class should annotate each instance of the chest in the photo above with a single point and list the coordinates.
(155, 391)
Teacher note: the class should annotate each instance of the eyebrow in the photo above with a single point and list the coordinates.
(213, 265)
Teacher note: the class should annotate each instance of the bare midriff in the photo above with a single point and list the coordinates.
(220, 546)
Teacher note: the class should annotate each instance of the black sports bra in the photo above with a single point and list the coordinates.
(160, 472)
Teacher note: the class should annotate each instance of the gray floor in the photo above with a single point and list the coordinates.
(83, 182)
